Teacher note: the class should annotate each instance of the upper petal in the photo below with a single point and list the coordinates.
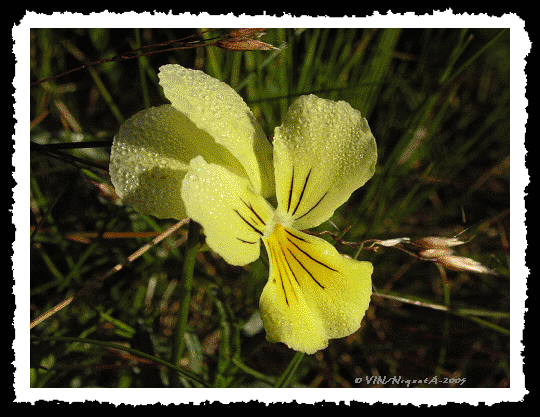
(216, 108)
(323, 152)
(313, 293)
(232, 214)
(150, 156)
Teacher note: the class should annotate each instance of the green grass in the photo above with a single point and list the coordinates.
(437, 101)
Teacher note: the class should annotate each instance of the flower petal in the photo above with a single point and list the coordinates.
(150, 156)
(322, 153)
(216, 108)
(232, 214)
(313, 293)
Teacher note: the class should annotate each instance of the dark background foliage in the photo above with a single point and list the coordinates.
(437, 100)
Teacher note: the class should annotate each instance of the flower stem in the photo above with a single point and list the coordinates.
(192, 247)
(286, 377)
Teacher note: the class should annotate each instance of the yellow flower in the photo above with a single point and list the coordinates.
(206, 157)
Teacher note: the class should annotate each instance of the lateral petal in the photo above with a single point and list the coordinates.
(313, 293)
(150, 156)
(323, 152)
(216, 108)
(232, 214)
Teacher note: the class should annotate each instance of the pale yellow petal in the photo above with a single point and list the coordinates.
(150, 156)
(323, 152)
(216, 108)
(232, 214)
(313, 293)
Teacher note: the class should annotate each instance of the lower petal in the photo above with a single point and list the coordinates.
(313, 293)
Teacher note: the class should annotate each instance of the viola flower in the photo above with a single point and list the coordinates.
(206, 157)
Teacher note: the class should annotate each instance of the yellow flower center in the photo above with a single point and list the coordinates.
(279, 218)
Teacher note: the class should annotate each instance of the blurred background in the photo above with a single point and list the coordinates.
(437, 101)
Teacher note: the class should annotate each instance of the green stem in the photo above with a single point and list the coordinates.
(134, 352)
(179, 343)
(142, 70)
(286, 377)
(250, 371)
